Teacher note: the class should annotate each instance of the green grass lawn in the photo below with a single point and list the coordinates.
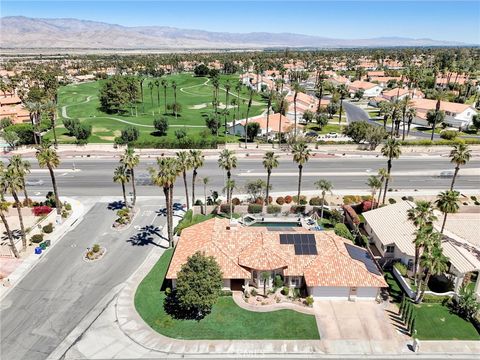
(326, 129)
(226, 321)
(82, 102)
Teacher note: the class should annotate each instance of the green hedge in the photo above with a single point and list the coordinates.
(185, 143)
(470, 141)
(433, 299)
(274, 209)
(254, 209)
(342, 230)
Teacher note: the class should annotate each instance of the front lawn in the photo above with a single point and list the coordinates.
(227, 321)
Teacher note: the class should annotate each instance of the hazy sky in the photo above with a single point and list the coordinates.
(440, 20)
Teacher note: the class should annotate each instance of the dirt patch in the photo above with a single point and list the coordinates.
(198, 106)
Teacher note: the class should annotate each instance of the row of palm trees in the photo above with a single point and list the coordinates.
(12, 182)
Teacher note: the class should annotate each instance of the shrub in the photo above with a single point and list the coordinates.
(225, 292)
(41, 210)
(96, 248)
(477, 203)
(297, 209)
(278, 281)
(351, 199)
(392, 201)
(448, 134)
(236, 201)
(37, 238)
(67, 206)
(225, 208)
(473, 197)
(342, 230)
(335, 217)
(27, 203)
(273, 209)
(47, 229)
(401, 267)
(296, 293)
(410, 198)
(280, 200)
(309, 300)
(254, 209)
(253, 292)
(64, 214)
(430, 298)
(288, 199)
(317, 201)
(303, 199)
(259, 201)
(286, 290)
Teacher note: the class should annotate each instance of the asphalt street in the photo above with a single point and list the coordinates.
(62, 289)
(93, 177)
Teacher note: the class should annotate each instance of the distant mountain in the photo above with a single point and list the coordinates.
(30, 33)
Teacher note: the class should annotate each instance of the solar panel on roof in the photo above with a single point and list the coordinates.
(283, 238)
(298, 249)
(290, 238)
(312, 249)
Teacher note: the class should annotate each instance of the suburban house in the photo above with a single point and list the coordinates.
(304, 103)
(391, 237)
(276, 122)
(327, 265)
(250, 80)
(11, 107)
(456, 115)
(370, 89)
(400, 94)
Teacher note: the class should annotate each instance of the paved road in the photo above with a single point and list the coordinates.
(62, 289)
(95, 176)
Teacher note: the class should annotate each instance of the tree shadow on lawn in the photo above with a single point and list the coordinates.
(176, 310)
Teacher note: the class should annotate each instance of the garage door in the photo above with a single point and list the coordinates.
(367, 292)
(329, 292)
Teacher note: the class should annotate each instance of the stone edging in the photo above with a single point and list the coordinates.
(238, 299)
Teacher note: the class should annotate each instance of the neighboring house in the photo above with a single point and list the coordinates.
(339, 80)
(370, 89)
(391, 236)
(11, 107)
(395, 94)
(327, 265)
(275, 121)
(264, 83)
(304, 102)
(456, 115)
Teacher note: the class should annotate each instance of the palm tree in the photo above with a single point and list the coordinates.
(434, 261)
(229, 186)
(238, 88)
(157, 85)
(385, 110)
(150, 87)
(343, 92)
(439, 95)
(382, 174)
(174, 86)
(184, 164)
(411, 113)
(391, 150)
(270, 161)
(374, 183)
(51, 109)
(130, 160)
(21, 168)
(121, 175)
(48, 157)
(270, 95)
(197, 159)
(35, 110)
(325, 186)
(3, 208)
(12, 184)
(164, 84)
(301, 154)
(205, 181)
(296, 89)
(422, 217)
(142, 79)
(406, 104)
(459, 155)
(165, 176)
(447, 203)
(227, 94)
(250, 96)
(227, 161)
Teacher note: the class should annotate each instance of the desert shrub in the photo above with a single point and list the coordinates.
(278, 281)
(351, 199)
(303, 199)
(68, 206)
(27, 202)
(392, 201)
(477, 203)
(286, 290)
(473, 197)
(288, 199)
(448, 134)
(317, 201)
(297, 209)
(47, 229)
(342, 230)
(366, 197)
(236, 201)
(280, 200)
(273, 209)
(401, 267)
(96, 248)
(64, 214)
(410, 198)
(253, 292)
(254, 209)
(41, 210)
(37, 238)
(309, 300)
(259, 201)
(225, 208)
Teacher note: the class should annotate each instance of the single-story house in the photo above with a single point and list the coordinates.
(304, 103)
(11, 107)
(392, 237)
(370, 89)
(276, 122)
(400, 94)
(327, 265)
(456, 115)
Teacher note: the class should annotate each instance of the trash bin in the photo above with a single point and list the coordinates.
(43, 245)
(38, 250)
(48, 243)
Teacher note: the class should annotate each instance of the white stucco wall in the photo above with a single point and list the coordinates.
(226, 284)
(340, 293)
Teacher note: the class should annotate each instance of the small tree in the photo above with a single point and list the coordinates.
(161, 125)
(198, 284)
(467, 305)
(129, 134)
(265, 276)
(252, 130)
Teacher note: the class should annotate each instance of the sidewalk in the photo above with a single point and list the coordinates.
(28, 263)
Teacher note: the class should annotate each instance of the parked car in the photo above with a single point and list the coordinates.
(311, 134)
(447, 174)
(332, 135)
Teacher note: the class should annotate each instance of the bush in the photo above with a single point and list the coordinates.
(67, 206)
(477, 203)
(448, 134)
(402, 268)
(273, 209)
(236, 201)
(253, 292)
(336, 217)
(342, 230)
(37, 238)
(303, 199)
(161, 125)
(225, 208)
(64, 214)
(41, 210)
(317, 201)
(297, 209)
(288, 199)
(473, 197)
(309, 300)
(23, 131)
(259, 201)
(430, 298)
(254, 209)
(225, 292)
(286, 290)
(392, 201)
(47, 229)
(280, 200)
(96, 248)
(351, 199)
(278, 281)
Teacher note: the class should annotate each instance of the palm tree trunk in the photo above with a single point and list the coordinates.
(246, 126)
(124, 195)
(20, 219)
(134, 189)
(228, 187)
(295, 116)
(170, 215)
(9, 234)
(194, 178)
(457, 168)
(158, 96)
(186, 188)
(268, 187)
(166, 192)
(54, 123)
(403, 131)
(205, 203)
(379, 195)
(444, 222)
(165, 99)
(55, 191)
(389, 168)
(26, 194)
(300, 167)
(340, 114)
(323, 202)
(415, 263)
(422, 288)
(268, 115)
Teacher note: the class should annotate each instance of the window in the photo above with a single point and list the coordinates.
(410, 264)
(390, 248)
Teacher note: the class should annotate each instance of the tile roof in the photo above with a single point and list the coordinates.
(239, 249)
(273, 122)
(362, 85)
(428, 104)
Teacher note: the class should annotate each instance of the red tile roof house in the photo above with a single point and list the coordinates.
(275, 121)
(329, 266)
(400, 94)
(370, 89)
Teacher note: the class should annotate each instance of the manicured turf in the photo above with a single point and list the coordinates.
(435, 322)
(195, 97)
(226, 321)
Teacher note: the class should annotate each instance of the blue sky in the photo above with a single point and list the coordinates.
(440, 20)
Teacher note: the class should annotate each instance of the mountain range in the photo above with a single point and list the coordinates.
(33, 33)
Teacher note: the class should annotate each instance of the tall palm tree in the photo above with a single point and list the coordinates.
(51, 109)
(392, 150)
(206, 181)
(3, 208)
(142, 79)
(385, 110)
(238, 88)
(374, 183)
(21, 168)
(227, 161)
(382, 174)
(12, 184)
(270, 161)
(35, 110)
(343, 92)
(130, 160)
(459, 155)
(422, 217)
(406, 104)
(250, 97)
(48, 157)
(165, 176)
(174, 87)
(164, 84)
(150, 87)
(197, 160)
(325, 186)
(411, 113)
(301, 154)
(296, 90)
(227, 94)
(184, 164)
(157, 85)
(435, 263)
(121, 176)
(439, 95)
(270, 95)
(447, 203)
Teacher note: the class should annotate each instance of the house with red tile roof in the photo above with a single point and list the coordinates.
(276, 122)
(400, 94)
(456, 114)
(370, 89)
(11, 107)
(327, 265)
